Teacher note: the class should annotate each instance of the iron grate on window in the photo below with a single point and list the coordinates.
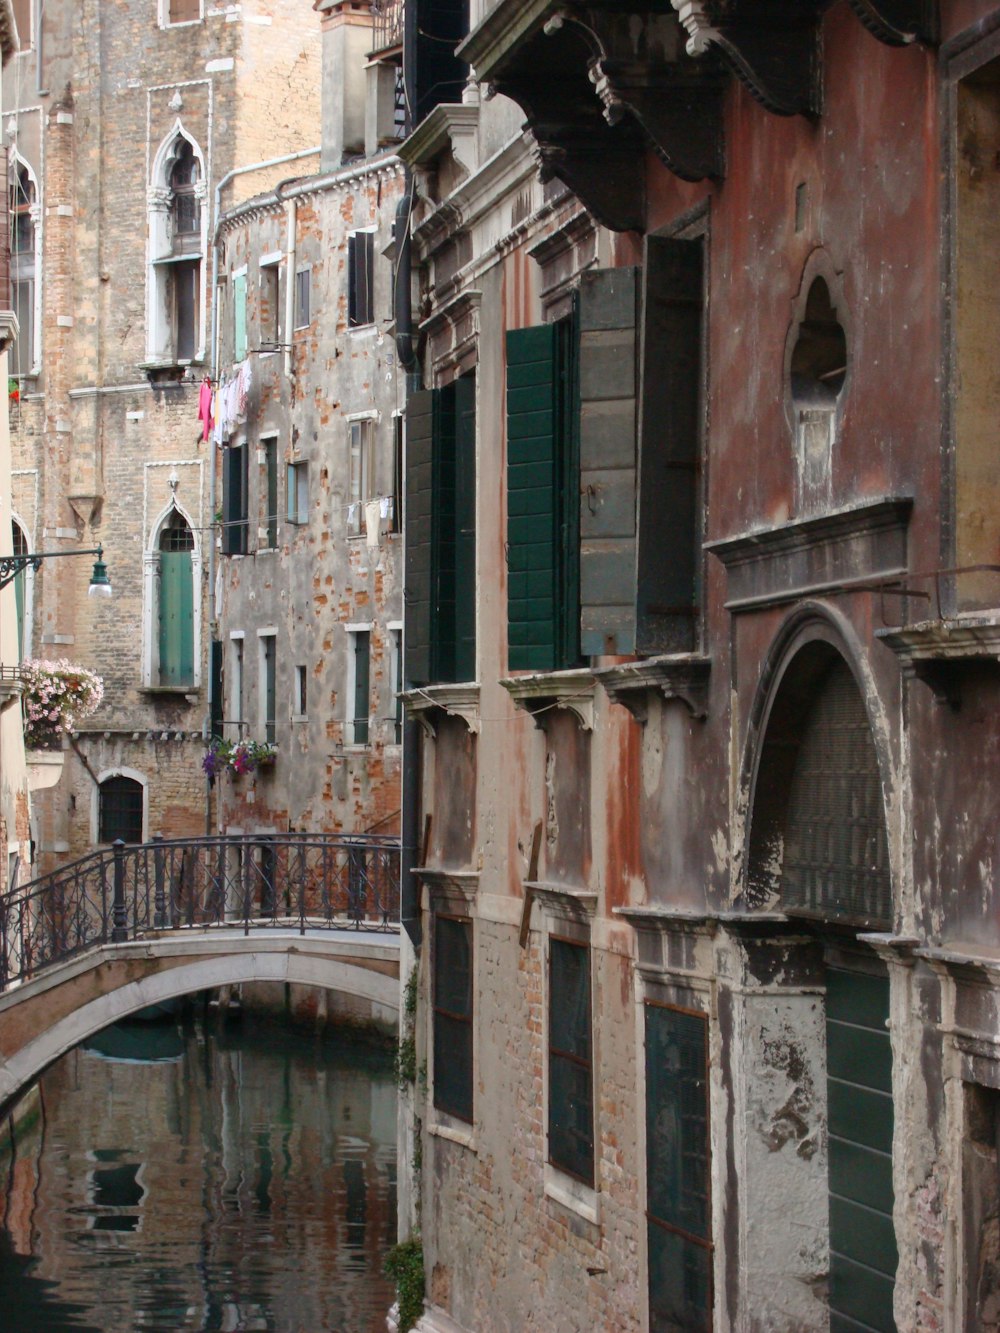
(176, 536)
(120, 810)
(836, 858)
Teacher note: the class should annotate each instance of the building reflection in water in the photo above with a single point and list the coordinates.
(212, 1178)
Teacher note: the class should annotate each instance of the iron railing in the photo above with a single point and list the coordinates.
(290, 880)
(387, 24)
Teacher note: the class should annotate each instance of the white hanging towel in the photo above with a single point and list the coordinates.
(371, 522)
(385, 507)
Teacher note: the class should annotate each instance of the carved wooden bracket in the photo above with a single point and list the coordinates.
(771, 45)
(899, 22)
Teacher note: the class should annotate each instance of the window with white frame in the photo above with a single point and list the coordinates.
(267, 668)
(358, 684)
(120, 809)
(269, 491)
(24, 216)
(360, 278)
(297, 491)
(177, 238)
(396, 677)
(300, 696)
(361, 437)
(24, 12)
(269, 304)
(303, 298)
(180, 11)
(235, 687)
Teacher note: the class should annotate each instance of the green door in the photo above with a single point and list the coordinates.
(863, 1254)
(176, 619)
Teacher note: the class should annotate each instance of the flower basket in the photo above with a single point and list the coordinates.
(54, 698)
(237, 758)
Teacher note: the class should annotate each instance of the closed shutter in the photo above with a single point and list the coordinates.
(417, 529)
(863, 1252)
(176, 619)
(669, 556)
(532, 586)
(234, 530)
(239, 316)
(608, 363)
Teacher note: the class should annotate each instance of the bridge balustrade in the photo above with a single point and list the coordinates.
(287, 880)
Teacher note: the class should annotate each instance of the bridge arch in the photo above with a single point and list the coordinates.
(46, 1017)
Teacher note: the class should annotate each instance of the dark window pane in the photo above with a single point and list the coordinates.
(677, 1119)
(360, 290)
(186, 281)
(680, 1279)
(453, 1071)
(571, 1097)
(120, 810)
(269, 681)
(362, 658)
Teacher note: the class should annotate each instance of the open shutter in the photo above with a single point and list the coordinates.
(419, 447)
(465, 527)
(239, 317)
(608, 329)
(532, 555)
(669, 560)
(232, 476)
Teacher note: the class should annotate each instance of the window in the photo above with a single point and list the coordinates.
(271, 491)
(300, 699)
(235, 500)
(22, 17)
(441, 527)
(678, 1227)
(360, 440)
(359, 685)
(817, 373)
(120, 809)
(175, 610)
(360, 278)
(396, 675)
(303, 289)
(453, 1017)
(240, 315)
(297, 492)
(183, 11)
(270, 307)
(23, 267)
(571, 1094)
(267, 644)
(397, 472)
(236, 711)
(176, 249)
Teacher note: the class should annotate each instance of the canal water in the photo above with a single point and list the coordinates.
(202, 1175)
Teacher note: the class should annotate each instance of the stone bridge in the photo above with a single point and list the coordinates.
(135, 926)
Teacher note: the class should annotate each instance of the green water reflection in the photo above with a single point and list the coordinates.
(237, 1177)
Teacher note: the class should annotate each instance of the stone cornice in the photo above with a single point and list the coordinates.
(455, 700)
(541, 692)
(682, 676)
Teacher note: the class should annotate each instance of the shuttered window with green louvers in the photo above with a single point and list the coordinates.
(440, 521)
(542, 485)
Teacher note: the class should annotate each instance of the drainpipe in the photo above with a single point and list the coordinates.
(214, 361)
(402, 300)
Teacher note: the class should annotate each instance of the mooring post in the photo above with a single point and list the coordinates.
(119, 912)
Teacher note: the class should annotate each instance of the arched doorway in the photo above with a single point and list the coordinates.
(819, 850)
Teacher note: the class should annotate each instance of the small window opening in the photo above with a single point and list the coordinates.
(818, 372)
(186, 206)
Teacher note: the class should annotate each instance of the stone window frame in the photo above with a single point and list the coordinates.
(151, 599)
(161, 332)
(267, 723)
(118, 771)
(451, 894)
(165, 21)
(353, 629)
(33, 271)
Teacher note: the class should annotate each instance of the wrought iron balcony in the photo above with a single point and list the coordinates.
(387, 24)
(286, 880)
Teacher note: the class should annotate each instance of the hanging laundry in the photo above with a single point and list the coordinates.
(243, 381)
(385, 506)
(205, 408)
(371, 522)
(352, 514)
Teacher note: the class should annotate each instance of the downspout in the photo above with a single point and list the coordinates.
(214, 361)
(402, 300)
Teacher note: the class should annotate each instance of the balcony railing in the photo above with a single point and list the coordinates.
(387, 24)
(291, 880)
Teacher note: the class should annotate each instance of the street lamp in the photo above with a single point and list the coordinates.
(12, 565)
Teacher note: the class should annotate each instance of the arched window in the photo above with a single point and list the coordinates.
(175, 609)
(120, 809)
(817, 374)
(21, 591)
(23, 268)
(177, 249)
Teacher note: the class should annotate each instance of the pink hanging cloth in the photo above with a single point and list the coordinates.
(205, 408)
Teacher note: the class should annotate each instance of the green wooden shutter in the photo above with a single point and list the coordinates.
(669, 555)
(532, 500)
(419, 448)
(239, 316)
(608, 361)
(465, 528)
(176, 619)
(217, 709)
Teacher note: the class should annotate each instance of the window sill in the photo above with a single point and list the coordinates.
(424, 705)
(192, 689)
(682, 676)
(572, 1195)
(540, 692)
(444, 1126)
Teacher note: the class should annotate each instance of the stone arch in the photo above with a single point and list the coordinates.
(166, 155)
(814, 645)
(175, 282)
(147, 982)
